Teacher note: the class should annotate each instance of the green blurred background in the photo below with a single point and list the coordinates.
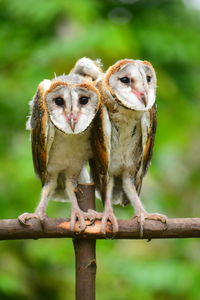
(38, 38)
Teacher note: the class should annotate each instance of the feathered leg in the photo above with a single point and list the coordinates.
(76, 212)
(108, 214)
(140, 212)
(40, 212)
(85, 178)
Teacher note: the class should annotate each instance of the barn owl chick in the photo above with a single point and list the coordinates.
(62, 111)
(129, 92)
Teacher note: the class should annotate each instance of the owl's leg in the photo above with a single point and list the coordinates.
(91, 214)
(108, 214)
(76, 212)
(140, 211)
(40, 213)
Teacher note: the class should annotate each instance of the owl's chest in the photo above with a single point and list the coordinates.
(69, 152)
(126, 143)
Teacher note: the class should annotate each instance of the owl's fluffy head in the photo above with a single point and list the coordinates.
(132, 83)
(88, 68)
(71, 107)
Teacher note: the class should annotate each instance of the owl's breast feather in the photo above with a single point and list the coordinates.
(125, 142)
(69, 152)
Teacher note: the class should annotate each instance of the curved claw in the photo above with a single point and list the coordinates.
(77, 214)
(109, 216)
(23, 218)
(144, 215)
(28, 216)
(92, 216)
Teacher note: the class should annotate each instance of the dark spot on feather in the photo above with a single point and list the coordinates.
(116, 128)
(134, 131)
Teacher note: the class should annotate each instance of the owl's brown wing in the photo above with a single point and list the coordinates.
(100, 142)
(40, 135)
(148, 136)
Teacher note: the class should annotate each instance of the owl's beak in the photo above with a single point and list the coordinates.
(72, 124)
(72, 120)
(142, 97)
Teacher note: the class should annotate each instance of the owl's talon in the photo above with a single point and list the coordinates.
(92, 216)
(77, 214)
(109, 216)
(144, 215)
(25, 217)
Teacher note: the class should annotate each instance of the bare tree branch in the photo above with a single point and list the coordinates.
(11, 229)
(85, 250)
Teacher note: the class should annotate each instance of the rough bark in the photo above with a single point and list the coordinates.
(11, 229)
(85, 250)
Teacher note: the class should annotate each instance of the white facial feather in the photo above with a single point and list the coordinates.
(87, 111)
(131, 94)
(72, 108)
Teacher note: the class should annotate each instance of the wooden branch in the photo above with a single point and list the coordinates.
(11, 229)
(85, 249)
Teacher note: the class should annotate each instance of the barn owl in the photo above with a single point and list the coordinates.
(101, 132)
(62, 112)
(124, 137)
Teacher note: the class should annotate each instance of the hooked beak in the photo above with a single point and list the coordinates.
(143, 99)
(72, 124)
(72, 120)
(142, 96)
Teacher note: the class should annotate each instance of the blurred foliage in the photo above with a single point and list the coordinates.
(38, 38)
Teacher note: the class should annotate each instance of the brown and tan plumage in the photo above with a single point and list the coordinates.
(62, 112)
(148, 147)
(101, 148)
(39, 134)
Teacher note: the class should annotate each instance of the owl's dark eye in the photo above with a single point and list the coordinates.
(83, 100)
(148, 78)
(124, 79)
(59, 101)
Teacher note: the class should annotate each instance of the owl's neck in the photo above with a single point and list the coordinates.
(122, 114)
(84, 134)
